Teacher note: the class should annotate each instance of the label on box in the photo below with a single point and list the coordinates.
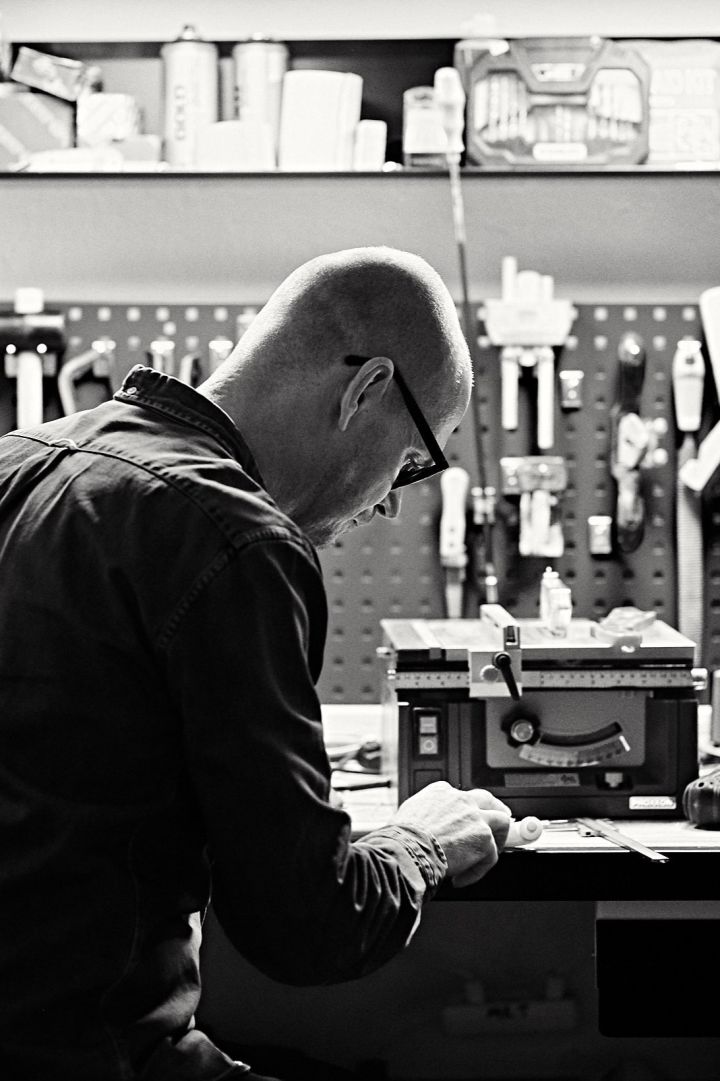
(684, 100)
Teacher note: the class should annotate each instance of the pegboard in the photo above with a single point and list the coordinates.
(390, 568)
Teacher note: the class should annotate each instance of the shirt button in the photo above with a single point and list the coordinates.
(131, 390)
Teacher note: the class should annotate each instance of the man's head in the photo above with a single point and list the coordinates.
(328, 379)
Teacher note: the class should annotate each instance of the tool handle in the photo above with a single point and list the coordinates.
(523, 832)
(454, 484)
(631, 355)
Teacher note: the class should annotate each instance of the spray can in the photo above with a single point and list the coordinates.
(259, 66)
(190, 94)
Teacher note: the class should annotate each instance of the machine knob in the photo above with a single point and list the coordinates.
(522, 730)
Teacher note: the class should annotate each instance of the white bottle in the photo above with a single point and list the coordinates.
(190, 95)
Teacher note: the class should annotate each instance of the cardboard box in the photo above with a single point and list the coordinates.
(684, 100)
(54, 75)
(31, 121)
(106, 118)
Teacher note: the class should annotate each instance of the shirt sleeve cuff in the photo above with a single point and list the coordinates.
(424, 849)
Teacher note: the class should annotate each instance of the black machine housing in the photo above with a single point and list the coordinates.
(602, 725)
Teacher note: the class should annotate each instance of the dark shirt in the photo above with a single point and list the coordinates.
(162, 626)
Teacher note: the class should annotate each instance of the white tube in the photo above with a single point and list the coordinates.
(29, 389)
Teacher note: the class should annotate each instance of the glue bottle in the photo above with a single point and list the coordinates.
(550, 580)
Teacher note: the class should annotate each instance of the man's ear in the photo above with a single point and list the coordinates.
(367, 386)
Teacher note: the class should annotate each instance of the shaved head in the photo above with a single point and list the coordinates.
(329, 438)
(367, 301)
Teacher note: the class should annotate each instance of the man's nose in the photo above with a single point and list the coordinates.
(390, 506)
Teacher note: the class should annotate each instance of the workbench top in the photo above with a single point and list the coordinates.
(566, 862)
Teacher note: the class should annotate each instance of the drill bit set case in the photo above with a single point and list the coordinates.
(554, 101)
(600, 720)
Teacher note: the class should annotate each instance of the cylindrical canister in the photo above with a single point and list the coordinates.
(190, 94)
(259, 66)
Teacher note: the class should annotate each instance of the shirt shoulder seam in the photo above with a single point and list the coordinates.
(222, 560)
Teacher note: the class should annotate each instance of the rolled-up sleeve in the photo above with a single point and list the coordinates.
(294, 894)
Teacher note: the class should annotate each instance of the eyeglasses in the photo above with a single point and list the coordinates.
(411, 473)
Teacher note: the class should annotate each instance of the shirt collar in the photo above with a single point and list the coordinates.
(147, 387)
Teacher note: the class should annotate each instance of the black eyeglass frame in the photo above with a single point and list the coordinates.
(411, 474)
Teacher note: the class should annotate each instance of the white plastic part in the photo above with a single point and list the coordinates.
(524, 832)
(545, 371)
(454, 483)
(370, 146)
(29, 389)
(450, 97)
(688, 378)
(509, 375)
(29, 300)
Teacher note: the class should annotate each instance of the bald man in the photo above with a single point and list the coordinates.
(162, 624)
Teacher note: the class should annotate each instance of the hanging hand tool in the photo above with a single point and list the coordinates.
(454, 484)
(100, 359)
(688, 377)
(31, 339)
(450, 97)
(527, 322)
(629, 442)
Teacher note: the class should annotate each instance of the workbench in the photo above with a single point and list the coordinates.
(655, 922)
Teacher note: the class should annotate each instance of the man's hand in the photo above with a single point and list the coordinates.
(471, 827)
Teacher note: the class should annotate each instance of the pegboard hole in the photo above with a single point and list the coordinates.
(628, 574)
